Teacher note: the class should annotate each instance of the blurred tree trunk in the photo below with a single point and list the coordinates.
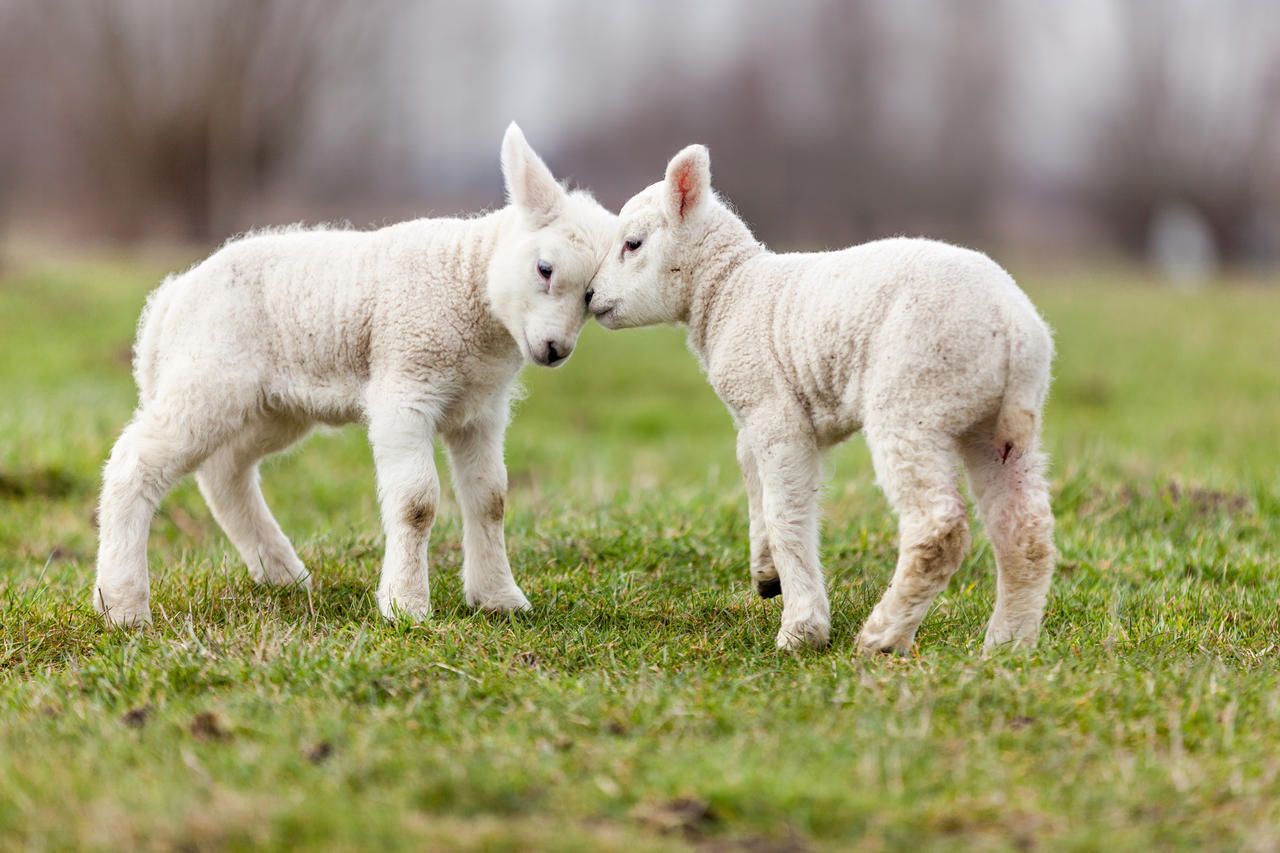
(10, 31)
(184, 113)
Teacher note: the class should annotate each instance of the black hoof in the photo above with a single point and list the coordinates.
(770, 588)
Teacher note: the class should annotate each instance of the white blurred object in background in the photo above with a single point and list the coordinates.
(1181, 245)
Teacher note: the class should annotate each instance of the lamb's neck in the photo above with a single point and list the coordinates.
(717, 262)
(476, 252)
(474, 264)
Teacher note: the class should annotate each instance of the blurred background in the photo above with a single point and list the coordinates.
(1144, 130)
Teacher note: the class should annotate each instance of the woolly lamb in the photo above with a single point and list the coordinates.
(416, 329)
(930, 350)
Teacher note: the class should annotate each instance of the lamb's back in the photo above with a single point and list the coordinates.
(880, 323)
(295, 299)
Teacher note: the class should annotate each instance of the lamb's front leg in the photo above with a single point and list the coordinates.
(789, 502)
(480, 482)
(408, 492)
(763, 572)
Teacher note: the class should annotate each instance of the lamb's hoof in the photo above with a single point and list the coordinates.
(507, 601)
(122, 613)
(813, 631)
(883, 641)
(404, 606)
(1013, 636)
(770, 588)
(282, 571)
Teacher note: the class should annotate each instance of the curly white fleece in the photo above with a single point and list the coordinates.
(930, 350)
(417, 329)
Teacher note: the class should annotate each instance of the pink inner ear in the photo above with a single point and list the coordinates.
(684, 185)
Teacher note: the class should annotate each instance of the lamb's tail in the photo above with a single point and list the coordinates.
(147, 344)
(1026, 384)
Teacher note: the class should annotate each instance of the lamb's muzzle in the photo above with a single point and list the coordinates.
(550, 355)
(604, 313)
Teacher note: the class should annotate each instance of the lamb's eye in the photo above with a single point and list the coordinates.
(544, 270)
(632, 245)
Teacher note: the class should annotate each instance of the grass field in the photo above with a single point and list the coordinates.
(641, 705)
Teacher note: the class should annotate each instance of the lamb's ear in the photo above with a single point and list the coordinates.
(530, 185)
(688, 182)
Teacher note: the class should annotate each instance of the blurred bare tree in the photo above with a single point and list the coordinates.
(9, 135)
(829, 122)
(811, 137)
(1189, 128)
(916, 136)
(185, 112)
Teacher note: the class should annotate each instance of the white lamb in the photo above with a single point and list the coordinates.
(931, 350)
(417, 329)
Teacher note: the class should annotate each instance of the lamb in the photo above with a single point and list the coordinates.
(930, 350)
(417, 329)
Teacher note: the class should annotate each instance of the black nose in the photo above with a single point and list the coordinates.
(553, 355)
(590, 293)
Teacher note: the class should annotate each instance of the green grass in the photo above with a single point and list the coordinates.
(641, 706)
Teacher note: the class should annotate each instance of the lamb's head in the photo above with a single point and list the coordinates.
(645, 276)
(543, 264)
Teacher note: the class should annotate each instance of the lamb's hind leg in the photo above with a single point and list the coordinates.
(229, 482)
(401, 436)
(918, 475)
(1013, 500)
(155, 450)
(763, 572)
